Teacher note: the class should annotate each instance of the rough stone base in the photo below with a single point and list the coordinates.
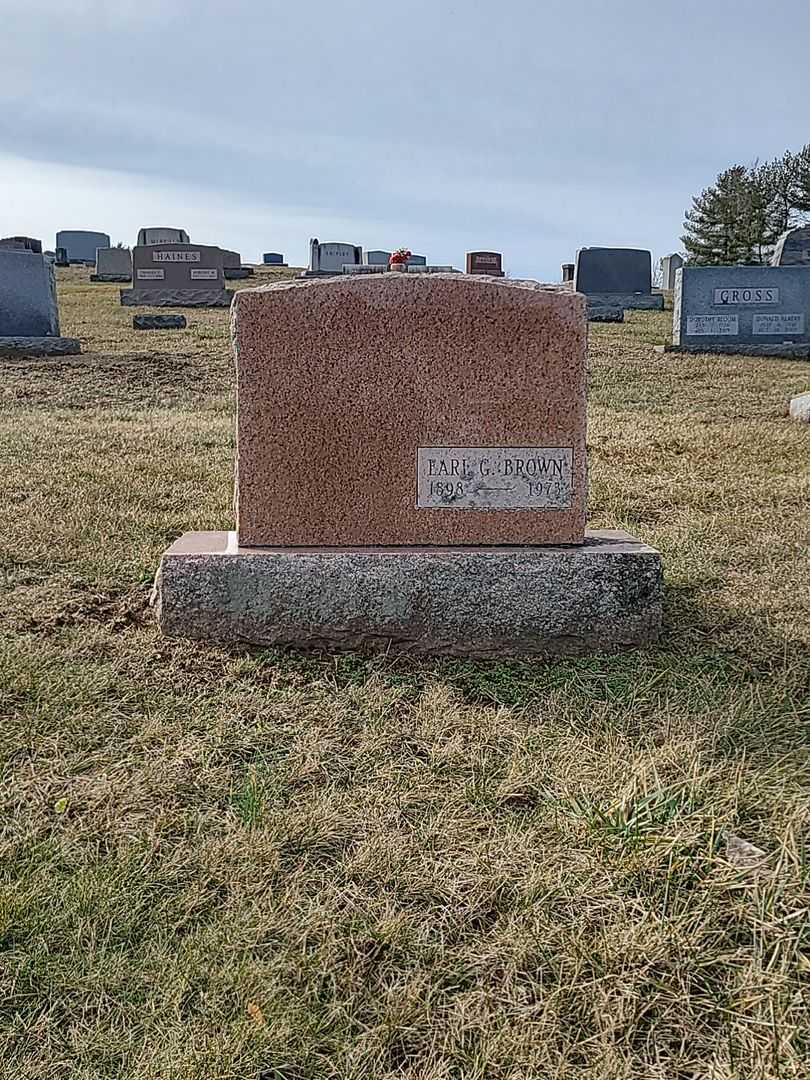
(111, 279)
(212, 298)
(158, 322)
(39, 346)
(606, 314)
(799, 408)
(627, 301)
(237, 273)
(484, 602)
(791, 352)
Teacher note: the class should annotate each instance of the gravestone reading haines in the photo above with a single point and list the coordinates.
(29, 314)
(616, 278)
(411, 472)
(177, 275)
(793, 248)
(758, 310)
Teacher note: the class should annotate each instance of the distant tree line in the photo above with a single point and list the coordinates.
(741, 216)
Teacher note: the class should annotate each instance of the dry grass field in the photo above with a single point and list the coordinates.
(250, 864)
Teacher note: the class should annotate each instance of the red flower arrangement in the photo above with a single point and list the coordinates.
(400, 257)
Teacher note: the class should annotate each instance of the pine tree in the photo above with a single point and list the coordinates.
(718, 227)
(800, 191)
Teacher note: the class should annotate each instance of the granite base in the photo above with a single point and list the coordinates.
(627, 301)
(211, 298)
(786, 350)
(601, 597)
(39, 346)
(605, 314)
(158, 322)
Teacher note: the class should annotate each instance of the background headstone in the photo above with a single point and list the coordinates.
(161, 235)
(487, 460)
(616, 277)
(177, 275)
(81, 245)
(760, 308)
(29, 314)
(22, 243)
(613, 270)
(232, 266)
(567, 272)
(485, 262)
(418, 260)
(113, 264)
(330, 258)
(793, 248)
(273, 258)
(61, 257)
(28, 306)
(377, 258)
(670, 264)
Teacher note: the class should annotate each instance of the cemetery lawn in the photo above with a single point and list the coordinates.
(249, 864)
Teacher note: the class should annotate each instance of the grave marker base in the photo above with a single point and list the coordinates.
(626, 301)
(39, 346)
(481, 602)
(785, 349)
(112, 279)
(212, 298)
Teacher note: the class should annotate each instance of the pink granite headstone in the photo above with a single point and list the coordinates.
(402, 409)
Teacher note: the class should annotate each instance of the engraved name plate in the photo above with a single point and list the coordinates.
(704, 325)
(754, 295)
(150, 275)
(204, 275)
(779, 324)
(175, 256)
(494, 477)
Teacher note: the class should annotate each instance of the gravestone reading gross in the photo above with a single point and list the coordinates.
(81, 245)
(448, 518)
(328, 259)
(669, 265)
(177, 275)
(756, 310)
(113, 264)
(485, 262)
(793, 248)
(29, 314)
(616, 278)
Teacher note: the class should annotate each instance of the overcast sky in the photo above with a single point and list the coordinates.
(525, 126)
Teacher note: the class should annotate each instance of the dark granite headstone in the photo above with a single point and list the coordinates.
(613, 270)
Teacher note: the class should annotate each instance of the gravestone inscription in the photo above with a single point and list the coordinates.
(177, 275)
(741, 308)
